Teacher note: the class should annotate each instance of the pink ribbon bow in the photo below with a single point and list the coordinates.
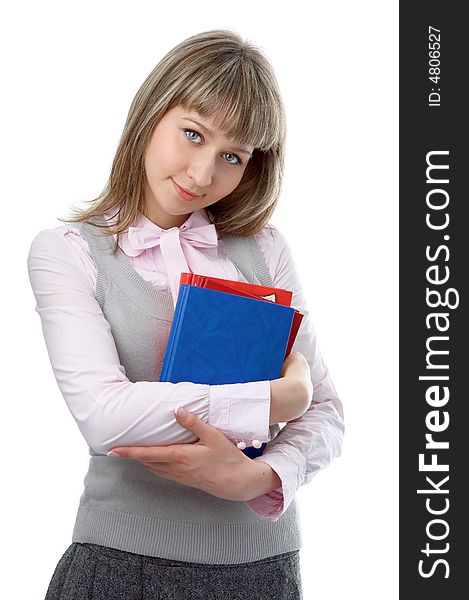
(175, 244)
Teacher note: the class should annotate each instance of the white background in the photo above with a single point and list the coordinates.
(69, 75)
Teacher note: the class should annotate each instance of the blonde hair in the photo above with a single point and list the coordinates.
(220, 76)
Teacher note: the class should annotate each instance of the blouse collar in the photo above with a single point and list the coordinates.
(177, 244)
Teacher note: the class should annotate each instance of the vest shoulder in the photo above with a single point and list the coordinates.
(270, 238)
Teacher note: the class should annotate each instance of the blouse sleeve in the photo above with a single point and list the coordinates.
(307, 444)
(109, 409)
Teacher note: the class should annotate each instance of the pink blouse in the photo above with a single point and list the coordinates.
(99, 395)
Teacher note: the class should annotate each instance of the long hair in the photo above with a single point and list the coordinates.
(220, 76)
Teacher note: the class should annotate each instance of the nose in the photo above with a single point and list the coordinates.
(200, 170)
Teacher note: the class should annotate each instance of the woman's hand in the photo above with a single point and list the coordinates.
(213, 464)
(291, 395)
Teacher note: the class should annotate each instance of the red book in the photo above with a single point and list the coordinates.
(251, 290)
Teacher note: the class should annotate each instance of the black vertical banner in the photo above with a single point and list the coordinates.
(434, 253)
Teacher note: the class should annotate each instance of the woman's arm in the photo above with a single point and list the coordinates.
(109, 409)
(305, 445)
(212, 464)
(309, 443)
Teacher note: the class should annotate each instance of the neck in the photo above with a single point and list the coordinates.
(165, 221)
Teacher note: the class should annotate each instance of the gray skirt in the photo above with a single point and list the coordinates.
(92, 572)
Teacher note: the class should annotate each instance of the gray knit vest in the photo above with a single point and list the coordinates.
(123, 505)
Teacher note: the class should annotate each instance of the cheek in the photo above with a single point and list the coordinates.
(163, 157)
(232, 180)
(178, 161)
(152, 169)
(151, 159)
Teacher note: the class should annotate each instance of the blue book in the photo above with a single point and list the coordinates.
(221, 338)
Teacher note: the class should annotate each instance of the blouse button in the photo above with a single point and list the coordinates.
(241, 445)
(256, 443)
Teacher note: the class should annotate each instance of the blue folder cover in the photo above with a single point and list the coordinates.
(220, 338)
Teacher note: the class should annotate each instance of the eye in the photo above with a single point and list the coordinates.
(196, 138)
(192, 135)
(232, 159)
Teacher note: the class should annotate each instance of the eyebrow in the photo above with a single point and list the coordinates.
(205, 128)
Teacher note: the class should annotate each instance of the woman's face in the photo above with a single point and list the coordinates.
(189, 165)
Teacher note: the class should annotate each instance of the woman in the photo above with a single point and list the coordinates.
(193, 184)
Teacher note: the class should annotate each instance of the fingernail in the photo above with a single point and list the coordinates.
(111, 453)
(182, 412)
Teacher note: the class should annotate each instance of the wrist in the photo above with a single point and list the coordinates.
(289, 399)
(260, 479)
(279, 398)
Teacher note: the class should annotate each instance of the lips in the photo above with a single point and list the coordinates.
(185, 194)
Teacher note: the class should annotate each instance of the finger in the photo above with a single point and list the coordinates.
(192, 422)
(156, 467)
(155, 471)
(162, 454)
